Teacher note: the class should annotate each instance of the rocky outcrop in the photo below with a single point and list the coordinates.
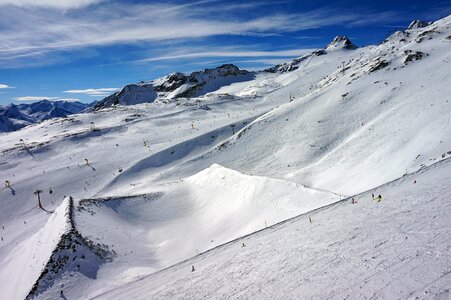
(341, 42)
(415, 24)
(177, 85)
(73, 253)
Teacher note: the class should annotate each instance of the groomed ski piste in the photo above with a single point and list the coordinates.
(398, 248)
(250, 185)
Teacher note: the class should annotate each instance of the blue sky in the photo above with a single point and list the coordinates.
(86, 49)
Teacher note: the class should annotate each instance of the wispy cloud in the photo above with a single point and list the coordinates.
(93, 92)
(33, 33)
(55, 4)
(35, 98)
(5, 86)
(227, 52)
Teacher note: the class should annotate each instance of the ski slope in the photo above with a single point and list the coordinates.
(398, 248)
(154, 184)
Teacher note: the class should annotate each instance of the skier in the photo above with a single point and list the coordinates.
(353, 201)
(243, 245)
(192, 269)
(372, 196)
(7, 184)
(379, 198)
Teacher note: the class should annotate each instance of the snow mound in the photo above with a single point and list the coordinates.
(176, 221)
(396, 248)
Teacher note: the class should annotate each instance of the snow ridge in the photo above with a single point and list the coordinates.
(73, 253)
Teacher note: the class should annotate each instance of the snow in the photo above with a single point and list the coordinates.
(32, 254)
(14, 117)
(177, 85)
(340, 43)
(398, 248)
(154, 184)
(162, 220)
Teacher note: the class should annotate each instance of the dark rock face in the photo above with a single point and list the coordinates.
(378, 66)
(319, 52)
(412, 56)
(418, 24)
(167, 87)
(173, 82)
(339, 42)
(342, 42)
(289, 66)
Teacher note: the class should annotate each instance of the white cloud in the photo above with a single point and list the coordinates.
(5, 86)
(57, 4)
(69, 99)
(227, 52)
(93, 92)
(34, 98)
(27, 33)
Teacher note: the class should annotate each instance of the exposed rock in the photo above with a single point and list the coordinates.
(74, 253)
(418, 24)
(378, 65)
(176, 85)
(287, 67)
(341, 42)
(428, 34)
(411, 56)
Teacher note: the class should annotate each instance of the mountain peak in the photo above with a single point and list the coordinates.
(418, 24)
(17, 116)
(341, 42)
(177, 85)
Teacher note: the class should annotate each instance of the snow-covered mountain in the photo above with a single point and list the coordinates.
(177, 85)
(16, 116)
(260, 187)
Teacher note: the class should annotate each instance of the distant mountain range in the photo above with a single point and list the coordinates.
(169, 88)
(179, 85)
(14, 117)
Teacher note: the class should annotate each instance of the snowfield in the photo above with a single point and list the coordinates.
(399, 248)
(246, 176)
